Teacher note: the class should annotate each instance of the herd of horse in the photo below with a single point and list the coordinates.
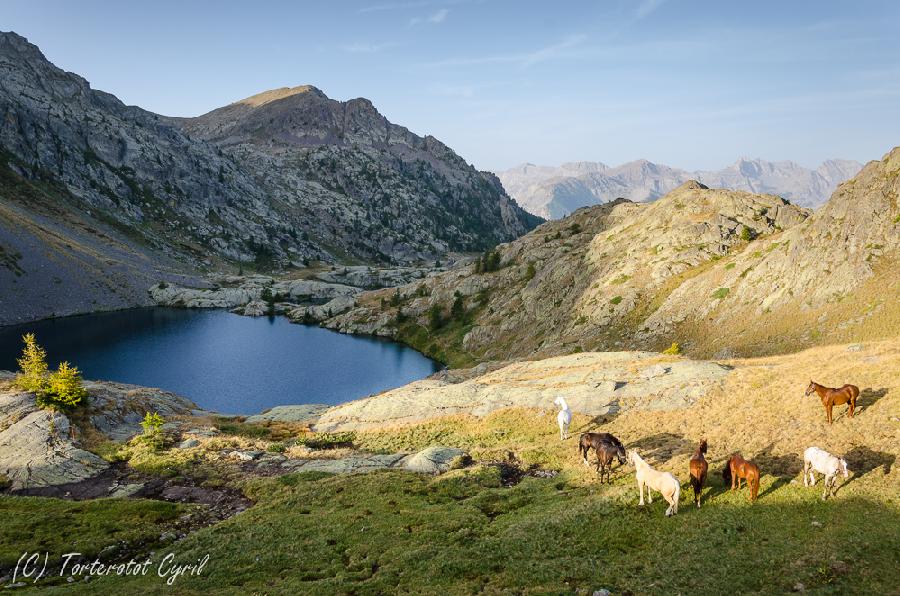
(609, 448)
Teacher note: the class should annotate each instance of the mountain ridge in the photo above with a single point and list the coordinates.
(553, 192)
(318, 190)
(722, 273)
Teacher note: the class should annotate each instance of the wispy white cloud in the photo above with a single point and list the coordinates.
(439, 16)
(434, 18)
(366, 48)
(396, 6)
(459, 91)
(646, 7)
(414, 4)
(522, 59)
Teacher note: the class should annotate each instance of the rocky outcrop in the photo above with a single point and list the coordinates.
(303, 413)
(592, 383)
(41, 448)
(251, 290)
(555, 192)
(36, 448)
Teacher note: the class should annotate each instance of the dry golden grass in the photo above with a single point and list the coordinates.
(870, 312)
(760, 410)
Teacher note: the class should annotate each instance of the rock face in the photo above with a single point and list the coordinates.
(36, 448)
(381, 191)
(40, 448)
(98, 200)
(555, 192)
(719, 272)
(592, 383)
(306, 413)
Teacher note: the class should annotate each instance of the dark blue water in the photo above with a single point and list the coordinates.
(223, 362)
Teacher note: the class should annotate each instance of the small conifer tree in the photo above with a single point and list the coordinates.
(33, 366)
(64, 390)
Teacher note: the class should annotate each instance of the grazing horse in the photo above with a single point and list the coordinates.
(606, 446)
(663, 482)
(564, 418)
(736, 468)
(835, 397)
(698, 467)
(588, 440)
(819, 460)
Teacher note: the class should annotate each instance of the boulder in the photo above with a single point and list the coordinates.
(433, 460)
(36, 448)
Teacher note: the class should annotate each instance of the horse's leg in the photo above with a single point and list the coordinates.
(641, 491)
(830, 413)
(805, 473)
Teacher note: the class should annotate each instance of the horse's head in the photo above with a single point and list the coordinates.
(633, 457)
(702, 445)
(620, 453)
(843, 467)
(810, 388)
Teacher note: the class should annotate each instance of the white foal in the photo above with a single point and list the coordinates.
(662, 482)
(564, 418)
(819, 460)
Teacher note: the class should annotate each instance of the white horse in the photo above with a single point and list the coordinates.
(663, 482)
(819, 460)
(564, 418)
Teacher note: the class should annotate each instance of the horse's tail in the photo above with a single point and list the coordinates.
(695, 484)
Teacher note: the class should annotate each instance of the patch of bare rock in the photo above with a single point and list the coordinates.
(601, 383)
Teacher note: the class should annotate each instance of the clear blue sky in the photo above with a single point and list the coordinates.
(688, 83)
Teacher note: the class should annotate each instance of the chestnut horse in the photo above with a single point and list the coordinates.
(835, 397)
(699, 467)
(736, 468)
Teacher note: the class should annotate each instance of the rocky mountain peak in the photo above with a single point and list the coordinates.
(261, 99)
(691, 185)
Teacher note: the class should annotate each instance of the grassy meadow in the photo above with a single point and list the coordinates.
(527, 516)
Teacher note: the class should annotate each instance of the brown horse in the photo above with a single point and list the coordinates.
(595, 440)
(835, 397)
(605, 454)
(736, 468)
(699, 467)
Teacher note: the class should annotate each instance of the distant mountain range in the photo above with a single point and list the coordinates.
(554, 192)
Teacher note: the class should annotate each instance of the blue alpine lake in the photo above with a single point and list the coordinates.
(223, 362)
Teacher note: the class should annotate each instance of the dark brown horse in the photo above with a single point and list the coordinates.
(605, 454)
(835, 397)
(736, 468)
(600, 442)
(699, 467)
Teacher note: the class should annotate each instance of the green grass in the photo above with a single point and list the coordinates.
(42, 524)
(392, 532)
(720, 293)
(464, 532)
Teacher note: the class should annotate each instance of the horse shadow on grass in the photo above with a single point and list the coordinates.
(862, 460)
(869, 396)
(783, 467)
(661, 447)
